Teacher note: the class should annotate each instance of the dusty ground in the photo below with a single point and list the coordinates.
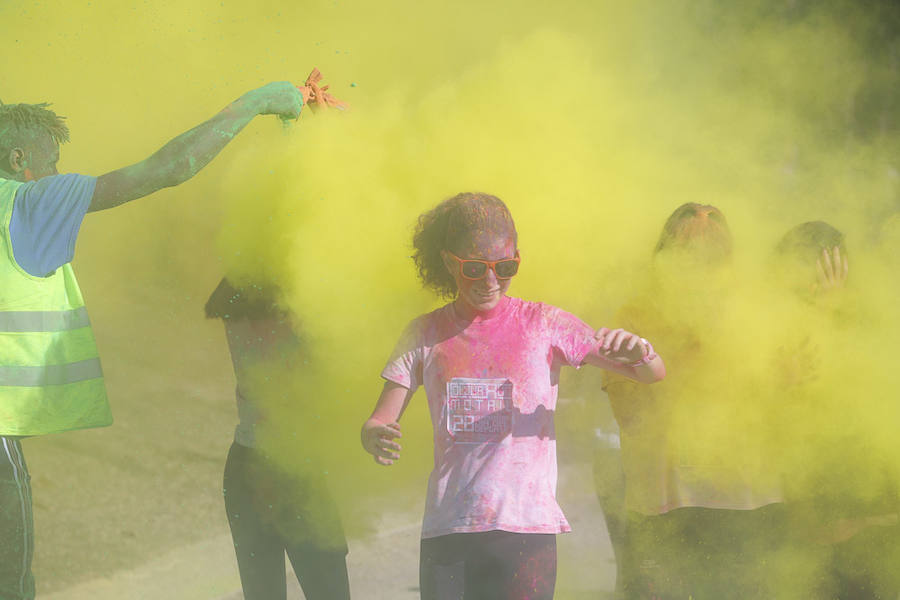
(383, 566)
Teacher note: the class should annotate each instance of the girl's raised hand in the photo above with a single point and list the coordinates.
(619, 345)
(378, 440)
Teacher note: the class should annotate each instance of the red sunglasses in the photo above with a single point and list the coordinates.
(471, 268)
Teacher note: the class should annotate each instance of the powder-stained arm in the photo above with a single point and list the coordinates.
(624, 353)
(184, 156)
(649, 372)
(380, 430)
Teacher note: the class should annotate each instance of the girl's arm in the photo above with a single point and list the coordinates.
(627, 354)
(379, 431)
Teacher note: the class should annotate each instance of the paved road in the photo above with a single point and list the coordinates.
(384, 566)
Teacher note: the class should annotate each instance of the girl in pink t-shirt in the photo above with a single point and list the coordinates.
(490, 365)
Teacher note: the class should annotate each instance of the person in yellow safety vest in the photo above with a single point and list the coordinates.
(50, 376)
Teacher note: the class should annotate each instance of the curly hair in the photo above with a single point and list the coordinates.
(806, 240)
(19, 120)
(697, 227)
(449, 226)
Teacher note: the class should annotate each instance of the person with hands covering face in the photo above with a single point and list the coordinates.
(490, 365)
(840, 516)
(811, 260)
(50, 375)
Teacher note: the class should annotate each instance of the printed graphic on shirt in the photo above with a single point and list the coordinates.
(479, 410)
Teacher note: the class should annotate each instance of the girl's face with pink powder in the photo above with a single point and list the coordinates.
(483, 294)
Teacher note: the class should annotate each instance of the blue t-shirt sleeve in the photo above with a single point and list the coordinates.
(46, 216)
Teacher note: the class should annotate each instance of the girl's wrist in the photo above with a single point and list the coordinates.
(649, 354)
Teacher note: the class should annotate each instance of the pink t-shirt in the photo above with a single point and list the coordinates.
(492, 385)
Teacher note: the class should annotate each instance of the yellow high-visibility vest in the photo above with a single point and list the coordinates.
(50, 376)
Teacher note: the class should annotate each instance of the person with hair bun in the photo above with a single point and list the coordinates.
(490, 365)
(699, 517)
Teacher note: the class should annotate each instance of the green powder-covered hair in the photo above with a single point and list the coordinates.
(19, 120)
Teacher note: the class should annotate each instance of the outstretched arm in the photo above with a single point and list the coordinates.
(184, 156)
(627, 354)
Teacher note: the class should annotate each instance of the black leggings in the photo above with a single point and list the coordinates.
(16, 524)
(706, 554)
(491, 565)
(270, 513)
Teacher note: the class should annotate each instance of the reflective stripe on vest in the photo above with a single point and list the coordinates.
(29, 321)
(50, 374)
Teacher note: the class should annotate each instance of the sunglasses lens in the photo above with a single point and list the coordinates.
(506, 268)
(473, 269)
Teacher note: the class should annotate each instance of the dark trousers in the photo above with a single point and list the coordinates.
(491, 565)
(707, 554)
(867, 566)
(272, 512)
(16, 523)
(609, 484)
